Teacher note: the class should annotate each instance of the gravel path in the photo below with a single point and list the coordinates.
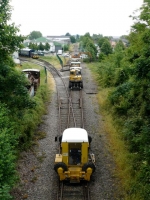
(38, 179)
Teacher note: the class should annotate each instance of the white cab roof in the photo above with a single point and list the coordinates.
(77, 135)
(75, 62)
(78, 68)
(31, 70)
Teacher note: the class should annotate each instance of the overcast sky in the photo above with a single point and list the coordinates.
(57, 17)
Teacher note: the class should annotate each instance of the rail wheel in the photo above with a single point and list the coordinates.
(60, 139)
(70, 84)
(88, 165)
(62, 165)
(89, 139)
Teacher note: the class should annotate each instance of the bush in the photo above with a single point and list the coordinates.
(8, 143)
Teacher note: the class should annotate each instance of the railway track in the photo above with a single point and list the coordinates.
(70, 103)
(70, 108)
(67, 191)
(77, 107)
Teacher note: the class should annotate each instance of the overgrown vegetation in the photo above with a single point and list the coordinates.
(87, 45)
(19, 114)
(19, 117)
(124, 75)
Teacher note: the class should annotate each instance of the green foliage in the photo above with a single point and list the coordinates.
(41, 46)
(96, 37)
(106, 48)
(66, 47)
(8, 142)
(12, 89)
(101, 57)
(87, 45)
(35, 35)
(68, 34)
(33, 46)
(17, 128)
(101, 40)
(9, 40)
(72, 39)
(47, 46)
(16, 107)
(77, 38)
(112, 69)
(127, 73)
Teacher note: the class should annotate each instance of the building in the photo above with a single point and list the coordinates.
(62, 39)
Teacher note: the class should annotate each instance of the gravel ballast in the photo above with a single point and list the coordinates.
(38, 180)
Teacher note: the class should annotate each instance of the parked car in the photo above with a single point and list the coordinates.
(40, 53)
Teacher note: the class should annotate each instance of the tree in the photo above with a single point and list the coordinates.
(41, 46)
(66, 47)
(33, 46)
(14, 100)
(119, 46)
(10, 41)
(35, 35)
(77, 37)
(97, 37)
(129, 100)
(101, 40)
(87, 45)
(47, 46)
(68, 34)
(106, 47)
(72, 39)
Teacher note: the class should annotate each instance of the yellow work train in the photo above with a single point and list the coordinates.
(75, 78)
(75, 163)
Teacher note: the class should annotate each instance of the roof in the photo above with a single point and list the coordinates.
(77, 135)
(62, 36)
(57, 43)
(25, 49)
(31, 70)
(75, 62)
(75, 68)
(41, 39)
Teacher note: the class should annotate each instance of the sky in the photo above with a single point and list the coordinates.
(58, 17)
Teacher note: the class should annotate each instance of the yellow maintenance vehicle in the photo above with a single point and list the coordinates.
(75, 64)
(34, 55)
(74, 163)
(75, 78)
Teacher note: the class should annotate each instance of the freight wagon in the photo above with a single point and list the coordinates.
(28, 53)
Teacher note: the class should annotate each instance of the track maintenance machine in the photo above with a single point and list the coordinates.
(74, 163)
(75, 78)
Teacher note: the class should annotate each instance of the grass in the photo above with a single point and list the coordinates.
(42, 98)
(116, 144)
(52, 60)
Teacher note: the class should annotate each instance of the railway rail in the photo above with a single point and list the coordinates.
(73, 191)
(70, 103)
(70, 108)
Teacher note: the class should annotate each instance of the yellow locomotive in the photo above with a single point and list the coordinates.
(34, 55)
(74, 163)
(75, 78)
